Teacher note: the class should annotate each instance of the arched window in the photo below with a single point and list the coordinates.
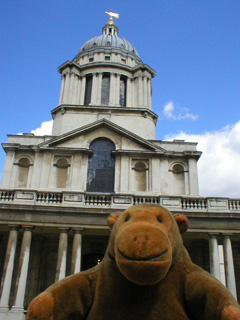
(178, 181)
(140, 175)
(23, 172)
(88, 90)
(62, 173)
(101, 167)
(123, 90)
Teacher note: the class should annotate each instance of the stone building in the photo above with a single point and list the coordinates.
(102, 156)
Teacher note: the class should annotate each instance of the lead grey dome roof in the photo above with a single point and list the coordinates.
(108, 44)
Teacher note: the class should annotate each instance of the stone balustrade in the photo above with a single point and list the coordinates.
(83, 199)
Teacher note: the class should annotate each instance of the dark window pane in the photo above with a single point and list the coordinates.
(105, 89)
(88, 90)
(101, 167)
(122, 98)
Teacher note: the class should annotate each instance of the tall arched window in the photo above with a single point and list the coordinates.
(23, 171)
(88, 90)
(101, 167)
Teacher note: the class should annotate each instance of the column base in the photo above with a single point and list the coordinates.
(16, 313)
(4, 313)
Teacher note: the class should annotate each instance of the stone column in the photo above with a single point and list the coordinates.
(61, 91)
(8, 268)
(83, 87)
(74, 89)
(70, 88)
(94, 90)
(99, 89)
(78, 98)
(112, 90)
(17, 310)
(62, 255)
(76, 251)
(213, 255)
(66, 88)
(117, 91)
(229, 265)
(140, 93)
(149, 93)
(129, 93)
(145, 100)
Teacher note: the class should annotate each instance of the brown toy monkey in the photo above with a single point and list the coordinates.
(146, 274)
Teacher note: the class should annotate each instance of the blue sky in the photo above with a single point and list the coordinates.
(193, 45)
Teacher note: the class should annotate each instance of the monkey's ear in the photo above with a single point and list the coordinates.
(112, 218)
(182, 222)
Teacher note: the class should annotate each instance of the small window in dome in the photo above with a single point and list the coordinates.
(108, 43)
(107, 58)
(123, 61)
(94, 45)
(110, 30)
(121, 46)
(91, 59)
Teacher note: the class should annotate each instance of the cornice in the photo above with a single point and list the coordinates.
(79, 108)
(115, 65)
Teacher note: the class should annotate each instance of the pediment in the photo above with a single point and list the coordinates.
(80, 139)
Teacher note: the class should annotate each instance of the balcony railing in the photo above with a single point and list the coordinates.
(81, 199)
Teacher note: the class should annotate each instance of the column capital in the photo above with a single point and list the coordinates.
(28, 228)
(227, 235)
(14, 226)
(77, 230)
(64, 230)
(213, 234)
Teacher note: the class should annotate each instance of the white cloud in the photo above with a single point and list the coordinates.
(45, 129)
(171, 114)
(218, 167)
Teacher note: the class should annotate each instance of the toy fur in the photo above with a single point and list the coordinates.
(146, 274)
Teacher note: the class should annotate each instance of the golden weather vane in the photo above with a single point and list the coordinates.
(112, 15)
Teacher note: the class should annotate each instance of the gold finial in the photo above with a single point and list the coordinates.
(112, 15)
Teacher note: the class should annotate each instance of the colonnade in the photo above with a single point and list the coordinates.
(17, 310)
(138, 91)
(228, 261)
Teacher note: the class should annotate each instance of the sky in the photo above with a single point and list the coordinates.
(193, 45)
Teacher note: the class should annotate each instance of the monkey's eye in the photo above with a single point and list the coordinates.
(127, 218)
(159, 219)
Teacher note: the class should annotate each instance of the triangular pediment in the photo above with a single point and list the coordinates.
(80, 138)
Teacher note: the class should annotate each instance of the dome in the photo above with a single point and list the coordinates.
(109, 42)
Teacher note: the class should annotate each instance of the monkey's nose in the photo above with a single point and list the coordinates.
(140, 241)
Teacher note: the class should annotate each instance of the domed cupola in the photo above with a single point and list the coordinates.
(109, 42)
(106, 79)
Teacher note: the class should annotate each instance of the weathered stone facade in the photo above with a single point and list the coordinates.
(58, 190)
